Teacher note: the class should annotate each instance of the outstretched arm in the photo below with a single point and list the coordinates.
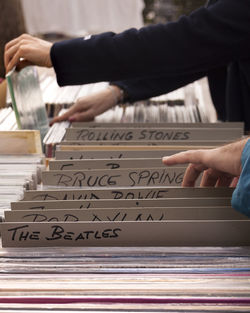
(208, 38)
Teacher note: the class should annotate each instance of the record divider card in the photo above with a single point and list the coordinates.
(108, 195)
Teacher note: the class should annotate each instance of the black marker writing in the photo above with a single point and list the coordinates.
(20, 235)
(163, 135)
(155, 177)
(58, 233)
(80, 179)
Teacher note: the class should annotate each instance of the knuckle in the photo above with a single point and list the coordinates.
(24, 35)
(189, 153)
(22, 41)
(7, 53)
(91, 113)
(21, 49)
(81, 102)
(209, 172)
(192, 166)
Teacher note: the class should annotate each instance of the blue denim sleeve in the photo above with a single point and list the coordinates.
(241, 195)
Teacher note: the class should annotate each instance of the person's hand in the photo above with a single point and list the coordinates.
(27, 50)
(220, 166)
(87, 108)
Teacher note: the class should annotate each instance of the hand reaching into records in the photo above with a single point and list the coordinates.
(27, 50)
(220, 166)
(87, 108)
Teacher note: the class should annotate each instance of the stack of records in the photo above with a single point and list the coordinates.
(7, 119)
(57, 98)
(183, 105)
(54, 136)
(17, 174)
(125, 279)
(21, 164)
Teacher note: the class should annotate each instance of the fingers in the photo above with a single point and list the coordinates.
(13, 61)
(18, 39)
(191, 156)
(31, 49)
(224, 181)
(80, 111)
(214, 178)
(200, 162)
(11, 57)
(192, 173)
(57, 119)
(8, 55)
(14, 50)
(63, 117)
(234, 182)
(77, 117)
(209, 178)
(225, 159)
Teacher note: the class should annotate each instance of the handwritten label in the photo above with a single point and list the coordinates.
(153, 233)
(57, 232)
(110, 178)
(97, 215)
(111, 154)
(127, 193)
(62, 195)
(119, 135)
(150, 134)
(126, 214)
(121, 203)
(96, 194)
(107, 164)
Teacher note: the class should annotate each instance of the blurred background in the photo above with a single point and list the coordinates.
(162, 11)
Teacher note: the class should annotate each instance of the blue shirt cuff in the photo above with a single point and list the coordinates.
(241, 195)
